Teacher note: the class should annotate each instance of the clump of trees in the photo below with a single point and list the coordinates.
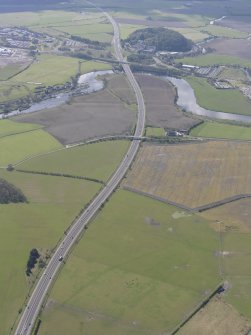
(10, 193)
(142, 59)
(33, 257)
(161, 38)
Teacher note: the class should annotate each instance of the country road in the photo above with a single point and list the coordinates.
(36, 299)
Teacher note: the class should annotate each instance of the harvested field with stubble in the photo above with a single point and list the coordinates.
(217, 318)
(234, 216)
(161, 110)
(233, 47)
(89, 116)
(242, 23)
(192, 175)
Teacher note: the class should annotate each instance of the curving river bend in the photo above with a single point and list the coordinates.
(187, 101)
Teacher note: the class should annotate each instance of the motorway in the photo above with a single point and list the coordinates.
(38, 295)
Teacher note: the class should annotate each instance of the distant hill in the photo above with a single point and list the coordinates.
(10, 194)
(28, 2)
(161, 38)
(32, 5)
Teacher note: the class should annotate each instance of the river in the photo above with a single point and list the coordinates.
(87, 83)
(187, 101)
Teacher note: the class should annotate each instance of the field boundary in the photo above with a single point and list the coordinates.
(202, 304)
(155, 197)
(22, 132)
(58, 174)
(195, 209)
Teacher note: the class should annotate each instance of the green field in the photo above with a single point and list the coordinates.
(9, 71)
(9, 127)
(213, 59)
(230, 73)
(223, 32)
(95, 31)
(18, 147)
(144, 265)
(40, 18)
(220, 100)
(127, 29)
(53, 204)
(89, 66)
(237, 271)
(98, 160)
(192, 33)
(49, 70)
(11, 90)
(151, 131)
(221, 130)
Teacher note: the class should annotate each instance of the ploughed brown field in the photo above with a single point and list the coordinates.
(161, 110)
(233, 47)
(192, 175)
(89, 116)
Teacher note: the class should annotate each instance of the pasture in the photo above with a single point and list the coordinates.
(220, 100)
(10, 90)
(215, 59)
(155, 132)
(161, 110)
(97, 160)
(53, 204)
(219, 31)
(193, 34)
(43, 18)
(96, 31)
(20, 146)
(142, 270)
(89, 66)
(10, 70)
(9, 127)
(221, 130)
(237, 256)
(49, 70)
(89, 116)
(128, 29)
(233, 74)
(192, 175)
